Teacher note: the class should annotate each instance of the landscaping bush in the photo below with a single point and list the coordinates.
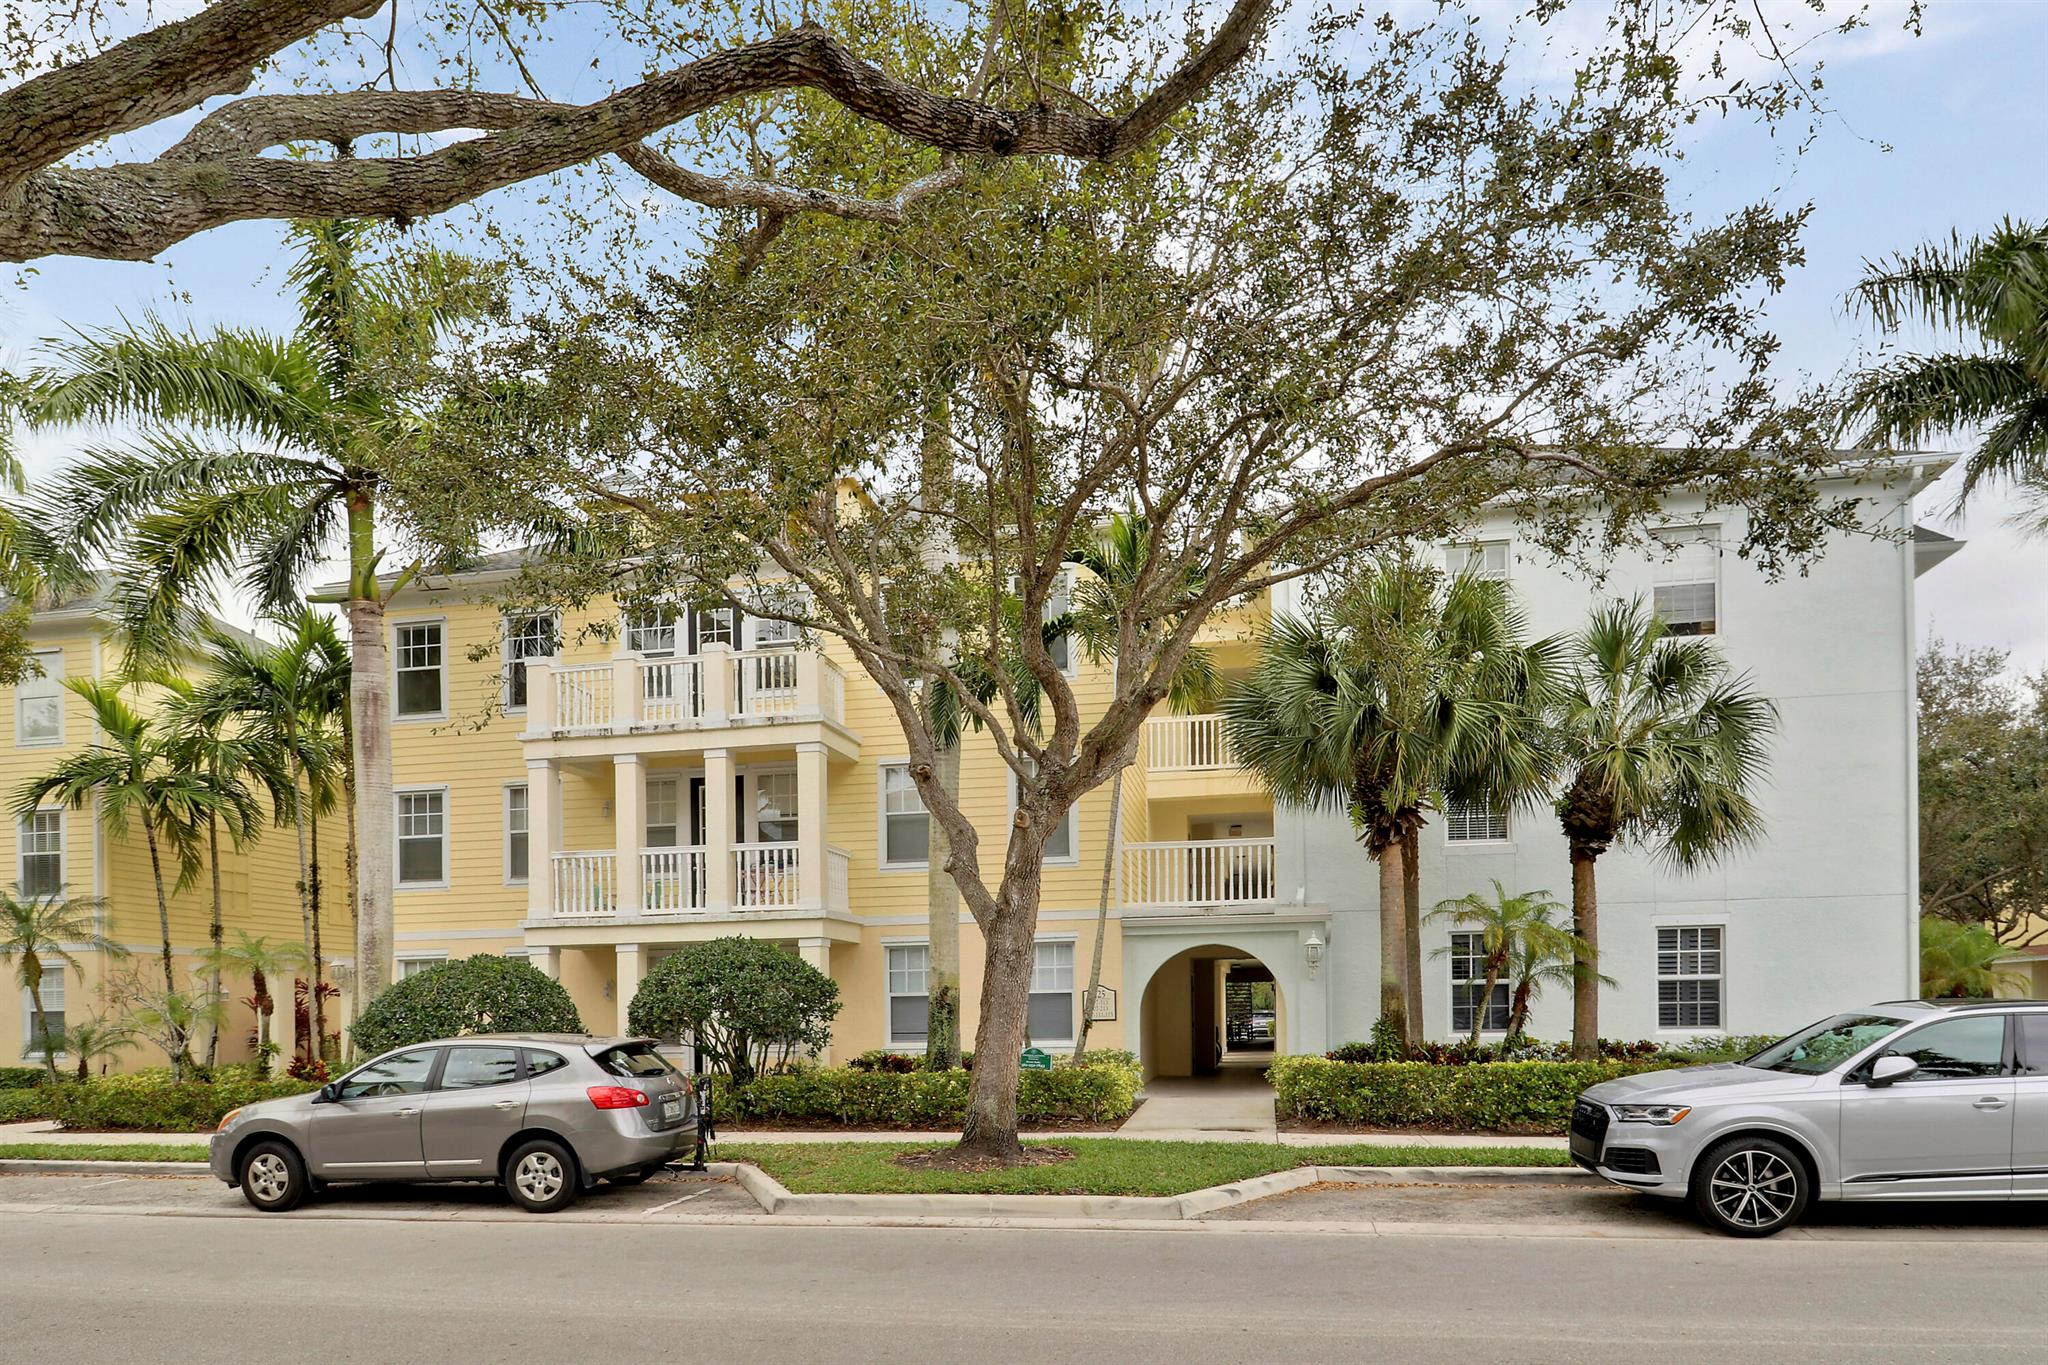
(1706, 1048)
(25, 1104)
(744, 1002)
(151, 1102)
(481, 994)
(22, 1077)
(1096, 1091)
(1507, 1097)
(1713, 1048)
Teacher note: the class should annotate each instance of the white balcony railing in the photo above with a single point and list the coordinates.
(764, 877)
(1186, 744)
(672, 880)
(1199, 874)
(583, 697)
(586, 885)
(671, 691)
(764, 683)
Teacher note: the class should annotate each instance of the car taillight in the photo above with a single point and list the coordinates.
(617, 1097)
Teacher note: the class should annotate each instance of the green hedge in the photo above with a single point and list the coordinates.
(1099, 1091)
(145, 1101)
(1506, 1097)
(22, 1077)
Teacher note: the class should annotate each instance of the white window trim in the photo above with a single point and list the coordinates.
(57, 741)
(749, 815)
(1470, 544)
(1450, 973)
(889, 1040)
(447, 838)
(505, 819)
(447, 678)
(30, 1052)
(1073, 818)
(1057, 1044)
(1451, 845)
(63, 847)
(1708, 531)
(1706, 921)
(399, 960)
(882, 821)
(505, 659)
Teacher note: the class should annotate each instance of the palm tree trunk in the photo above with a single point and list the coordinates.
(1114, 842)
(942, 913)
(1411, 909)
(32, 974)
(259, 991)
(1393, 943)
(163, 919)
(348, 794)
(369, 699)
(318, 1007)
(214, 934)
(1518, 1008)
(1493, 968)
(299, 809)
(1585, 964)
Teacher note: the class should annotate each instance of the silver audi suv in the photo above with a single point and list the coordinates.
(1910, 1099)
(545, 1114)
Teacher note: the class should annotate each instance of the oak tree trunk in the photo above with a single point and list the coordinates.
(990, 1131)
(1115, 842)
(942, 909)
(1586, 960)
(1394, 942)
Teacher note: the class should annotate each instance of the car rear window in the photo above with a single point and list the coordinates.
(635, 1060)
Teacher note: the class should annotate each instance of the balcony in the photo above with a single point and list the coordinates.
(1189, 757)
(675, 883)
(720, 689)
(1199, 877)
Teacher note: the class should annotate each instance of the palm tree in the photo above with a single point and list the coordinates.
(172, 1016)
(261, 961)
(40, 934)
(1400, 692)
(131, 772)
(1663, 745)
(1992, 290)
(1961, 960)
(1545, 959)
(296, 438)
(1512, 929)
(95, 1040)
(1115, 560)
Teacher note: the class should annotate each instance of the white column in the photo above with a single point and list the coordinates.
(629, 812)
(626, 692)
(810, 825)
(818, 952)
(632, 967)
(718, 829)
(543, 838)
(717, 683)
(540, 696)
(548, 960)
(809, 682)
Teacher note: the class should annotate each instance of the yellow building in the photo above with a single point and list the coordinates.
(56, 849)
(592, 793)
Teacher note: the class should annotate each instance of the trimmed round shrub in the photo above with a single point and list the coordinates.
(481, 994)
(743, 1001)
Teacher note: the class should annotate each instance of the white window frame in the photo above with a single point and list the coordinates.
(511, 664)
(44, 685)
(1464, 815)
(1719, 976)
(1476, 955)
(505, 805)
(1073, 818)
(883, 815)
(1460, 554)
(750, 789)
(635, 627)
(1073, 966)
(398, 837)
(417, 962)
(22, 852)
(53, 974)
(408, 717)
(1667, 570)
(731, 626)
(890, 994)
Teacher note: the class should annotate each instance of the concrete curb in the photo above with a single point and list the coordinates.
(45, 1166)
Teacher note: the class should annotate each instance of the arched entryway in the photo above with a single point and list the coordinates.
(1216, 1011)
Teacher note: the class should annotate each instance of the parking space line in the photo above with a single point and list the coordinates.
(673, 1202)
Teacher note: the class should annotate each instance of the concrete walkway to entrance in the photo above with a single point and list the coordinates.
(1235, 1102)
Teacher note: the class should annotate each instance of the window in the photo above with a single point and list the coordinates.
(1059, 848)
(472, 1068)
(541, 1063)
(715, 626)
(1686, 580)
(909, 971)
(417, 657)
(39, 700)
(1052, 991)
(1468, 978)
(773, 633)
(422, 838)
(663, 813)
(1955, 1049)
(775, 812)
(404, 1073)
(1467, 822)
(653, 633)
(517, 844)
(2033, 1043)
(42, 853)
(906, 828)
(634, 1062)
(413, 966)
(50, 1023)
(530, 635)
(1480, 558)
(1689, 977)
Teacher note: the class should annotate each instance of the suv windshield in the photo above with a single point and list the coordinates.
(1826, 1045)
(635, 1061)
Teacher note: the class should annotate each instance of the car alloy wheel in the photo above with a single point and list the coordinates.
(1751, 1187)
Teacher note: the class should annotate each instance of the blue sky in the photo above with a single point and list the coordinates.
(1960, 109)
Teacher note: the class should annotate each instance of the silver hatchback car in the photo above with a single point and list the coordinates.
(1910, 1099)
(545, 1114)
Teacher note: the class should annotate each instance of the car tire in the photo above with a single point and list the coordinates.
(541, 1176)
(273, 1177)
(1750, 1187)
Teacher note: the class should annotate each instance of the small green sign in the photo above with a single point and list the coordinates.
(1036, 1059)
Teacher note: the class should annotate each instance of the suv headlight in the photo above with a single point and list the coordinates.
(1664, 1115)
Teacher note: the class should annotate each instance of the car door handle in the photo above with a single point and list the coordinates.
(506, 1104)
(1989, 1102)
(405, 1113)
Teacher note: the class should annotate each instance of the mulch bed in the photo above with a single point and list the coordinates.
(945, 1159)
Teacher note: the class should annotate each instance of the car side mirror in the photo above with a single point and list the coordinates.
(1891, 1069)
(329, 1093)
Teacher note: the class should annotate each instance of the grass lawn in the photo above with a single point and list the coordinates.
(101, 1151)
(1100, 1165)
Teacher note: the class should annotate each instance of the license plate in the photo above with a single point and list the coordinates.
(671, 1109)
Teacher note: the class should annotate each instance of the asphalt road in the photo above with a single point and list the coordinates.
(388, 1279)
